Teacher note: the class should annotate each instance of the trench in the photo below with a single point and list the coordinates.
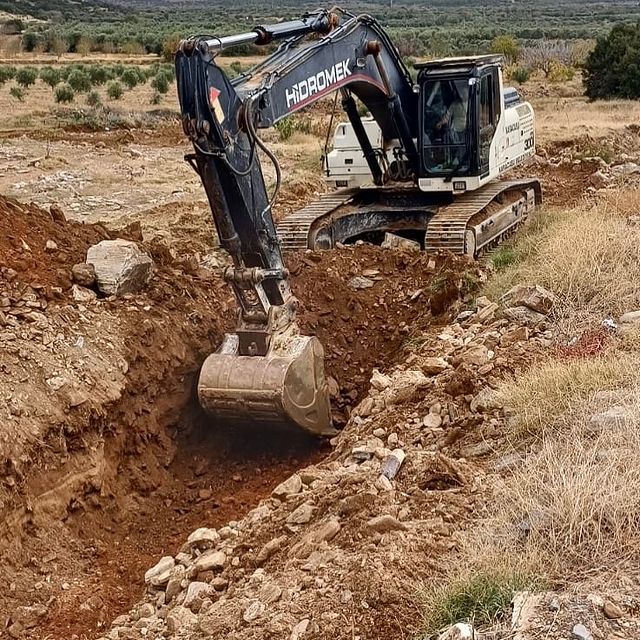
(193, 473)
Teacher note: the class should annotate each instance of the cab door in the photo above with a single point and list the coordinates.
(489, 116)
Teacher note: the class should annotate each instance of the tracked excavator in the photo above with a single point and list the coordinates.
(426, 162)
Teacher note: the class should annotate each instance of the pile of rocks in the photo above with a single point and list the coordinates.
(343, 547)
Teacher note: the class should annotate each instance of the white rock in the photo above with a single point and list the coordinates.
(459, 631)
(82, 294)
(289, 487)
(161, 572)
(56, 383)
(625, 169)
(380, 381)
(386, 523)
(360, 282)
(300, 629)
(533, 297)
(525, 315)
(630, 318)
(580, 632)
(383, 483)
(302, 514)
(432, 421)
(253, 611)
(211, 561)
(486, 400)
(180, 618)
(433, 366)
(196, 592)
(392, 241)
(51, 245)
(120, 265)
(203, 538)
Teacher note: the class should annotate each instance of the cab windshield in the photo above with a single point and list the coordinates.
(446, 126)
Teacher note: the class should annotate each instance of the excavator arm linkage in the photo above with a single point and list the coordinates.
(266, 372)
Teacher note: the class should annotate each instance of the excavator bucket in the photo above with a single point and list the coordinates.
(286, 387)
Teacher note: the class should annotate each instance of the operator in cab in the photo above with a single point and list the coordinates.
(454, 117)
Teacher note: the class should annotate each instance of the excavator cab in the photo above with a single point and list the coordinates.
(460, 110)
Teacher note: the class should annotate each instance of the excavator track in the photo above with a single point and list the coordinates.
(471, 224)
(294, 230)
(464, 226)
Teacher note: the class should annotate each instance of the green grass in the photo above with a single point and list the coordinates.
(481, 598)
(504, 257)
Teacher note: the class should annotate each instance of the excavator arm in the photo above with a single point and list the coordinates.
(265, 371)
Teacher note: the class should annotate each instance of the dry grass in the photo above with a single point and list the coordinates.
(581, 495)
(590, 258)
(549, 399)
(573, 506)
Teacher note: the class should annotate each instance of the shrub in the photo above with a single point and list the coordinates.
(286, 128)
(161, 82)
(93, 99)
(156, 98)
(18, 93)
(64, 93)
(506, 46)
(26, 76)
(115, 90)
(79, 80)
(50, 76)
(99, 74)
(559, 72)
(130, 77)
(611, 69)
(520, 74)
(6, 73)
(30, 40)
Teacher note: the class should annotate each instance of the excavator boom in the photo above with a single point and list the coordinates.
(266, 372)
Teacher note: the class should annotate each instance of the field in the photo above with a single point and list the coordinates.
(437, 28)
(126, 513)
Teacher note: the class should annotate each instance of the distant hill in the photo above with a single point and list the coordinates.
(419, 27)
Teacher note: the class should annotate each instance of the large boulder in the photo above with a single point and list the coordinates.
(120, 266)
(533, 297)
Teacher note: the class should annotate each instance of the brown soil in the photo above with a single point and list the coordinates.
(366, 328)
(93, 495)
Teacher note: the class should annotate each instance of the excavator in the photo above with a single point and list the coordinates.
(426, 163)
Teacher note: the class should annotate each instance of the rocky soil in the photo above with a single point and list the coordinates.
(341, 548)
(103, 447)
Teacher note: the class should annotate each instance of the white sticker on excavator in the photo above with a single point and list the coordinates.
(214, 101)
(317, 83)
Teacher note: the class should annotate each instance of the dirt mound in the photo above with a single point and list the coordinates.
(103, 446)
(39, 245)
(342, 547)
(365, 327)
